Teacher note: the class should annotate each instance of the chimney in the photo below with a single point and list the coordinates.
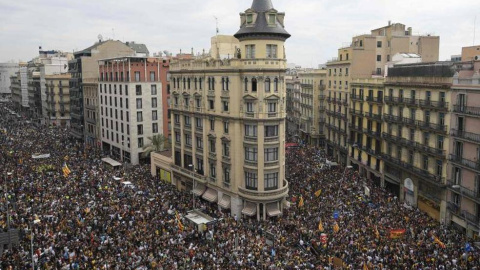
(389, 23)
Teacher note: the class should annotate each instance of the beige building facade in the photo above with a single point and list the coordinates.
(57, 100)
(366, 57)
(228, 119)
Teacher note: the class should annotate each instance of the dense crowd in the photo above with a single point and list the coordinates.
(89, 220)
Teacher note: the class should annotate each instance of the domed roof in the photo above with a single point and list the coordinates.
(260, 26)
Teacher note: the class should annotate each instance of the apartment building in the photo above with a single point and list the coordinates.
(312, 98)
(19, 88)
(366, 56)
(229, 118)
(365, 125)
(463, 196)
(415, 134)
(7, 70)
(57, 100)
(130, 99)
(84, 76)
(293, 104)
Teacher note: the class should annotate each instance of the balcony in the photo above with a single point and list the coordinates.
(390, 100)
(321, 108)
(474, 111)
(250, 139)
(372, 99)
(372, 133)
(392, 119)
(271, 139)
(355, 128)
(473, 219)
(356, 97)
(321, 97)
(255, 195)
(436, 105)
(473, 195)
(469, 164)
(472, 137)
(344, 102)
(424, 174)
(439, 153)
(356, 112)
(432, 127)
(189, 173)
(329, 99)
(374, 116)
(411, 102)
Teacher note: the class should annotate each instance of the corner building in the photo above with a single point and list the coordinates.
(228, 118)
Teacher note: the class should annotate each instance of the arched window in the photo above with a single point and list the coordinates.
(223, 84)
(227, 82)
(200, 83)
(195, 81)
(246, 85)
(275, 85)
(188, 83)
(209, 83)
(254, 85)
(174, 83)
(213, 83)
(267, 85)
(184, 83)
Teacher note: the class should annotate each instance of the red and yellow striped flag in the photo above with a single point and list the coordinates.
(320, 226)
(300, 204)
(336, 228)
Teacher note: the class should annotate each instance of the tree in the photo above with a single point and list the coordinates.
(157, 143)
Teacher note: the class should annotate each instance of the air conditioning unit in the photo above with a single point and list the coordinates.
(477, 57)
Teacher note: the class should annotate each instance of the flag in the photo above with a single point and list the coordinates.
(180, 225)
(320, 226)
(300, 204)
(336, 228)
(65, 169)
(440, 243)
(318, 192)
(377, 234)
(365, 267)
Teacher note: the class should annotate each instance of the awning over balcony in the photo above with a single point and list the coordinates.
(225, 202)
(210, 195)
(273, 209)
(199, 189)
(250, 209)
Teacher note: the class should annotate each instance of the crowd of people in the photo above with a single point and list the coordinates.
(89, 220)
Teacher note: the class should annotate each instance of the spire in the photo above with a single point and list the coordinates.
(262, 5)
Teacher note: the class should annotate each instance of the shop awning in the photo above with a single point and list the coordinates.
(199, 189)
(210, 195)
(112, 162)
(250, 209)
(273, 210)
(225, 202)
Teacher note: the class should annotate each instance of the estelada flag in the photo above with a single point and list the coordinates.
(336, 228)
(440, 243)
(365, 267)
(377, 234)
(300, 204)
(394, 234)
(318, 192)
(320, 226)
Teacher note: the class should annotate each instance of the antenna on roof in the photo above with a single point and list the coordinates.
(216, 23)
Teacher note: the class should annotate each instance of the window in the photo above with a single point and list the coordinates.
(126, 90)
(271, 154)
(425, 162)
(225, 149)
(251, 180)
(226, 175)
(440, 142)
(176, 118)
(177, 137)
(188, 140)
(139, 116)
(439, 168)
(249, 18)
(225, 106)
(271, 131)
(198, 103)
(199, 142)
(154, 115)
(251, 130)
(272, 107)
(212, 124)
(246, 85)
(128, 117)
(271, 18)
(139, 103)
(175, 100)
(154, 89)
(271, 51)
(187, 121)
(154, 127)
(271, 181)
(275, 85)
(137, 76)
(379, 44)
(254, 85)
(267, 85)
(213, 170)
(379, 58)
(152, 76)
(140, 142)
(249, 106)
(251, 154)
(138, 90)
(154, 102)
(250, 51)
(188, 83)
(200, 83)
(225, 84)
(211, 104)
(225, 127)
(211, 143)
(140, 129)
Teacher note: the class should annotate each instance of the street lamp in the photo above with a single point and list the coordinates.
(191, 167)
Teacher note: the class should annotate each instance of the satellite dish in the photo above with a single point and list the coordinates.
(100, 37)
